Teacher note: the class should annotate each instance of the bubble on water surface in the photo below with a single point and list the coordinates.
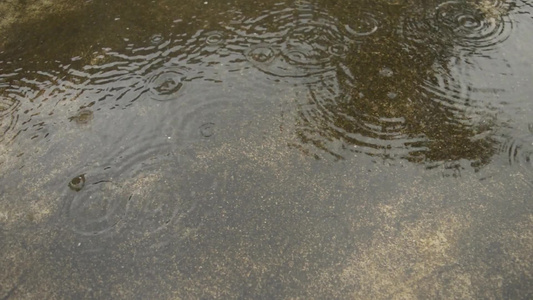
(286, 63)
(77, 183)
(312, 44)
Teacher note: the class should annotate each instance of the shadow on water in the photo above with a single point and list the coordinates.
(261, 150)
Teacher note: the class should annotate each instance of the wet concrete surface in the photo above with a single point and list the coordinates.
(268, 151)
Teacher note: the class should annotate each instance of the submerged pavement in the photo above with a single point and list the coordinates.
(255, 182)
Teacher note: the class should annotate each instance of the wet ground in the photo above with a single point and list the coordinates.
(266, 150)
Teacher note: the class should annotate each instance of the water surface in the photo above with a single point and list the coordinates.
(301, 149)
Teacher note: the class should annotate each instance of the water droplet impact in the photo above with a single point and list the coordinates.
(362, 25)
(297, 57)
(468, 22)
(165, 84)
(262, 54)
(77, 183)
(207, 129)
(338, 50)
(156, 39)
(214, 38)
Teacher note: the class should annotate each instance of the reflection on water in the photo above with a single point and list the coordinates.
(392, 81)
(372, 90)
(126, 97)
(519, 152)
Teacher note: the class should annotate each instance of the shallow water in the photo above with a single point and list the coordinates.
(304, 149)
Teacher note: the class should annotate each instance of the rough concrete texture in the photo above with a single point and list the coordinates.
(258, 219)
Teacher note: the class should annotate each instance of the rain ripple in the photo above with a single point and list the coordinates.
(9, 103)
(334, 124)
(215, 38)
(96, 207)
(26, 104)
(300, 42)
(450, 92)
(519, 153)
(363, 24)
(131, 193)
(474, 26)
(165, 83)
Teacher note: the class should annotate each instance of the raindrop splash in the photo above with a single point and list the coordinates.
(363, 24)
(165, 84)
(261, 55)
(156, 39)
(214, 38)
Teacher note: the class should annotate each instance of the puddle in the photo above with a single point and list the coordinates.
(266, 150)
